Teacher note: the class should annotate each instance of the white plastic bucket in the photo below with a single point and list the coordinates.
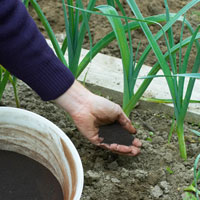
(30, 134)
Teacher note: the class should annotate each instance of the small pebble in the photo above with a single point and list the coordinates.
(115, 180)
(93, 175)
(165, 186)
(156, 192)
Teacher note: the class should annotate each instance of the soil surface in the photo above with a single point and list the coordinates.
(25, 179)
(53, 11)
(157, 173)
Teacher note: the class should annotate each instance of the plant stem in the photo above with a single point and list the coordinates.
(16, 95)
(181, 140)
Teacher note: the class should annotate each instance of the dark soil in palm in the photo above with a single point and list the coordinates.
(115, 133)
(157, 173)
(22, 178)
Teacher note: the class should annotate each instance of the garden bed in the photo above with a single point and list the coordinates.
(157, 173)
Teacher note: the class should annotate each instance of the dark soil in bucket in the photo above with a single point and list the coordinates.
(25, 179)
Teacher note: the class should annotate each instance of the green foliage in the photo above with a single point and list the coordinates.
(26, 3)
(176, 85)
(197, 176)
(194, 186)
(195, 132)
(189, 196)
(76, 26)
(5, 77)
(150, 136)
(169, 170)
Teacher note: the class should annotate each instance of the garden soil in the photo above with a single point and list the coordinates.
(157, 173)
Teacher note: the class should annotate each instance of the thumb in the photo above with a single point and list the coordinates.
(126, 123)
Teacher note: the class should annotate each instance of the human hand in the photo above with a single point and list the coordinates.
(90, 111)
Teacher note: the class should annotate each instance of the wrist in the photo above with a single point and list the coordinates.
(74, 99)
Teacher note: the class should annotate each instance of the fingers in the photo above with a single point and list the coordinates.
(125, 149)
(96, 140)
(137, 143)
(122, 149)
(126, 123)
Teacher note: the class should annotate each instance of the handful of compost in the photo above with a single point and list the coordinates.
(115, 133)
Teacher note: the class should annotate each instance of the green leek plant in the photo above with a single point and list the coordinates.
(197, 176)
(76, 24)
(131, 69)
(26, 3)
(194, 186)
(176, 85)
(5, 77)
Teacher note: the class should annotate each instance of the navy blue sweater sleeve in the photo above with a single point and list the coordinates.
(25, 53)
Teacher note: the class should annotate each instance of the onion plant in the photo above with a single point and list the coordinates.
(26, 3)
(76, 24)
(194, 186)
(176, 86)
(6, 77)
(131, 69)
(197, 176)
